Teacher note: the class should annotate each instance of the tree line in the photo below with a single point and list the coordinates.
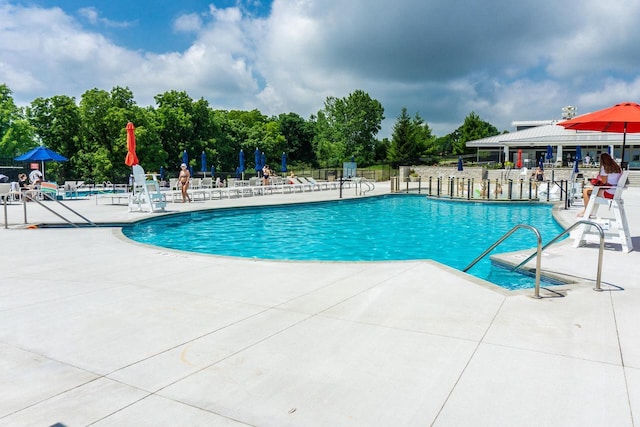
(91, 133)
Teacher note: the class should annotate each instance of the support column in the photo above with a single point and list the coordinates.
(559, 154)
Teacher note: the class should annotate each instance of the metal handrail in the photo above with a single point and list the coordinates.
(568, 230)
(35, 199)
(503, 238)
(370, 185)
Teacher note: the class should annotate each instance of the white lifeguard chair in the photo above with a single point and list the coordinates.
(616, 229)
(145, 195)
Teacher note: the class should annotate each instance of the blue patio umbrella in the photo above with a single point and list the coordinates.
(575, 166)
(41, 154)
(549, 152)
(541, 162)
(203, 162)
(241, 162)
(213, 171)
(191, 170)
(161, 173)
(185, 158)
(459, 163)
(283, 167)
(578, 153)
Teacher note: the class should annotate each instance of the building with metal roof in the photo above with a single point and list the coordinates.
(533, 137)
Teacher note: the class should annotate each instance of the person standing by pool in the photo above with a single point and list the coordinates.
(610, 173)
(183, 180)
(538, 174)
(266, 172)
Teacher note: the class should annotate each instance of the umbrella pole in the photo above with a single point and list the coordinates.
(624, 142)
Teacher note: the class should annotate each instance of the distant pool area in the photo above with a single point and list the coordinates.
(384, 228)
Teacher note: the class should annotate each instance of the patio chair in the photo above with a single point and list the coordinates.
(617, 228)
(146, 195)
(5, 192)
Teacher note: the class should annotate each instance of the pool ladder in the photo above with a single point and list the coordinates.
(540, 249)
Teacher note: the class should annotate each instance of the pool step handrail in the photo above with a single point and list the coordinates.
(568, 230)
(34, 198)
(366, 182)
(502, 239)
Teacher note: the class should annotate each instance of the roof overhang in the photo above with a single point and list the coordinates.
(541, 136)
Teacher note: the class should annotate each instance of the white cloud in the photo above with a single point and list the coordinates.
(506, 61)
(188, 23)
(92, 15)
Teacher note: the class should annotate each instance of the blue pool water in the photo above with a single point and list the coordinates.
(400, 227)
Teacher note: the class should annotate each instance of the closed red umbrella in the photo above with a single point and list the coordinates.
(519, 162)
(621, 118)
(131, 158)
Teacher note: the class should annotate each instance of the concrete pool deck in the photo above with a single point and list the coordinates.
(98, 330)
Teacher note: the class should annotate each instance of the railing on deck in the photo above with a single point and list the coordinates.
(496, 189)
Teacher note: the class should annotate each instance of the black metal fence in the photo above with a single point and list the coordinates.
(487, 190)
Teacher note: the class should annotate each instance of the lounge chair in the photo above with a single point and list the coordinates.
(206, 183)
(146, 195)
(70, 188)
(620, 233)
(311, 185)
(6, 195)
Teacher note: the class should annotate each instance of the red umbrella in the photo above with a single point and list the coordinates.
(622, 118)
(131, 158)
(519, 162)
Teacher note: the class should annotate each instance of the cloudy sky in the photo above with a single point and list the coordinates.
(505, 60)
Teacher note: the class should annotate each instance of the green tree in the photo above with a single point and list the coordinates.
(473, 128)
(298, 134)
(348, 127)
(174, 115)
(103, 142)
(403, 143)
(16, 133)
(410, 138)
(329, 148)
(57, 124)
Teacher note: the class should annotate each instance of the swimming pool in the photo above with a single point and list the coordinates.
(392, 227)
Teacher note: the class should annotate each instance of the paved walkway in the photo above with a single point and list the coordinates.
(97, 330)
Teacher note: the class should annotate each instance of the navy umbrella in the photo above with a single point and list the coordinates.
(41, 154)
(161, 173)
(256, 158)
(459, 163)
(185, 158)
(549, 153)
(578, 157)
(241, 161)
(213, 171)
(203, 162)
(541, 162)
(284, 162)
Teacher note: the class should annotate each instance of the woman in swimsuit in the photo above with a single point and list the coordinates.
(265, 174)
(183, 180)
